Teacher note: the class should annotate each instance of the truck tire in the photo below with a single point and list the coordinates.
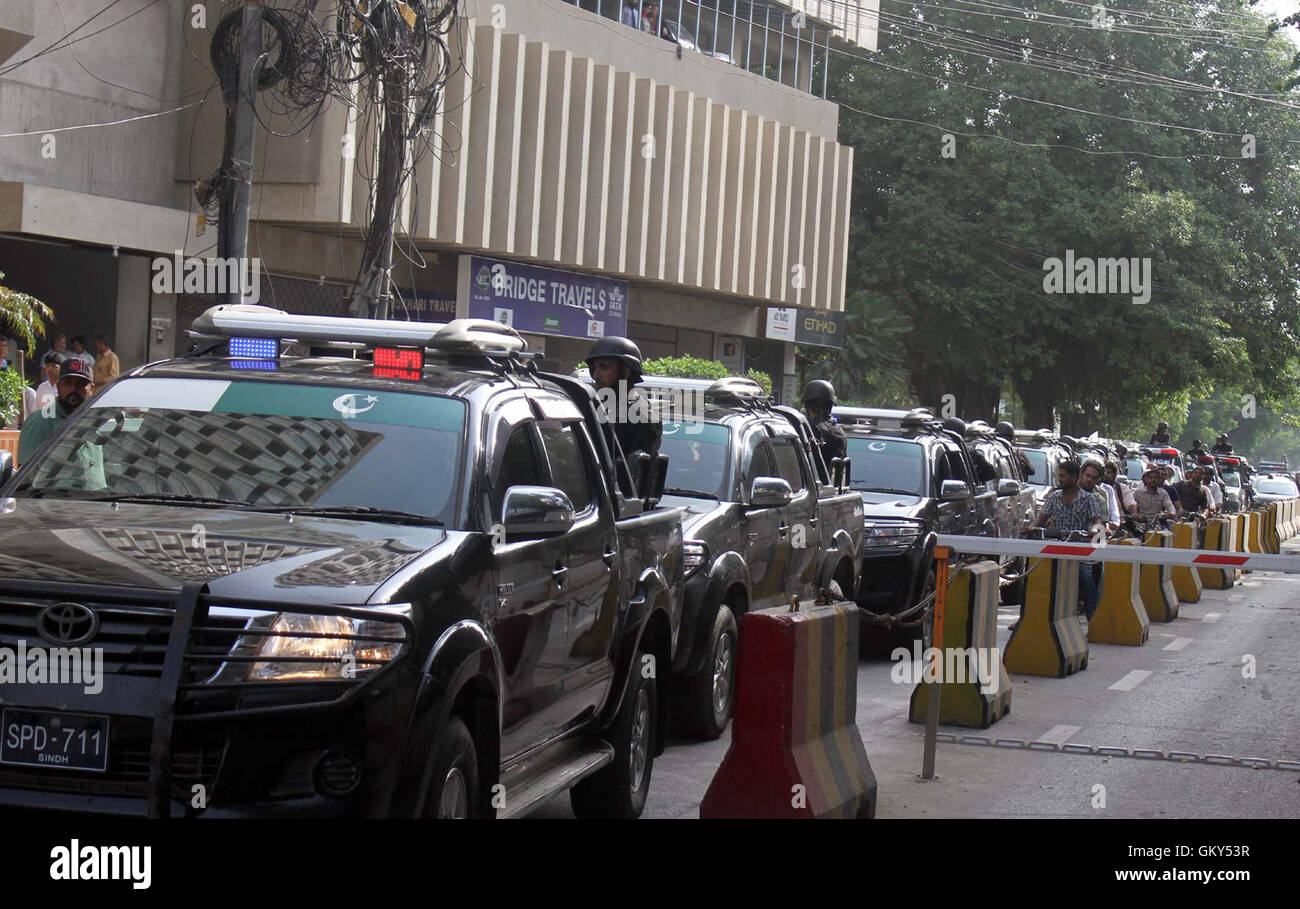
(708, 695)
(451, 780)
(619, 789)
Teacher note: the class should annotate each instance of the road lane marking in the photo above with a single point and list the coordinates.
(1177, 644)
(1058, 735)
(1131, 681)
(1212, 617)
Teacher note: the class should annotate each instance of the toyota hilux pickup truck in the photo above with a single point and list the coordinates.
(417, 579)
(763, 522)
(917, 479)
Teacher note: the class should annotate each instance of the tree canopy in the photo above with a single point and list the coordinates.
(992, 139)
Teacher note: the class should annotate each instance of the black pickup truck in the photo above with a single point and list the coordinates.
(421, 582)
(762, 522)
(917, 479)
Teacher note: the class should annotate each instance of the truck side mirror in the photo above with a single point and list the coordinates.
(770, 492)
(535, 512)
(1008, 488)
(952, 490)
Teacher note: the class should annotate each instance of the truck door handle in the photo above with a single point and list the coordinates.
(784, 529)
(560, 572)
(609, 555)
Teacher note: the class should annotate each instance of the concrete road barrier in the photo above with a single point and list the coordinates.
(1120, 617)
(1220, 535)
(1187, 580)
(1048, 640)
(970, 627)
(1157, 583)
(796, 751)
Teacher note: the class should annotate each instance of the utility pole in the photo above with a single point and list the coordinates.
(236, 187)
(373, 292)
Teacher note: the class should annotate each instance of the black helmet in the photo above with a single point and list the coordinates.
(1006, 430)
(1162, 425)
(819, 390)
(622, 349)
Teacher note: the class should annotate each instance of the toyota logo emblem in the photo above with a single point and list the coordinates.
(67, 623)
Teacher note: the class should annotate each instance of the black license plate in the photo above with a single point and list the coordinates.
(71, 741)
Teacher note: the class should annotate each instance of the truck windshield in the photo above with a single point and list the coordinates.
(1038, 463)
(1230, 478)
(259, 444)
(887, 465)
(697, 457)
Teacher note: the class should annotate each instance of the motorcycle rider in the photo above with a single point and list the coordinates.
(1193, 495)
(1122, 492)
(1152, 500)
(818, 399)
(615, 365)
(1071, 507)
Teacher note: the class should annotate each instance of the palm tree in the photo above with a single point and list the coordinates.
(22, 315)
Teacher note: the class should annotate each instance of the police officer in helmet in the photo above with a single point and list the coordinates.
(615, 365)
(818, 399)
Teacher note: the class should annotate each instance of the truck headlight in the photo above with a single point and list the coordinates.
(695, 555)
(880, 535)
(302, 646)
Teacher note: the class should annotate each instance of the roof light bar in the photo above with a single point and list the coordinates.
(245, 321)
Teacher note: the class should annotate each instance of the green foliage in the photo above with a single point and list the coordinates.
(11, 396)
(956, 246)
(696, 368)
(869, 369)
(685, 368)
(762, 378)
(22, 315)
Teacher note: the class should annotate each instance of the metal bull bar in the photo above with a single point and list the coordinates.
(1100, 552)
(188, 666)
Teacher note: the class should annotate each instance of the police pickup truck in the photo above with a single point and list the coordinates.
(414, 580)
(917, 479)
(764, 520)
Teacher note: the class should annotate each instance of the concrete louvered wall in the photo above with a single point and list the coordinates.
(569, 160)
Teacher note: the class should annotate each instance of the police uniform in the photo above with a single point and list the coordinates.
(640, 435)
(832, 439)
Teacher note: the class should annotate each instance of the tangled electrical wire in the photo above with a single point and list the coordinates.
(347, 51)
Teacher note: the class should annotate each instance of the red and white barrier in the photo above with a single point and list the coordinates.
(1100, 552)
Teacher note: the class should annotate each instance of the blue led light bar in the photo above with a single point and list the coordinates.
(255, 348)
(254, 364)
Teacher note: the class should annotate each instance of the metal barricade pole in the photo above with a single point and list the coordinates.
(941, 554)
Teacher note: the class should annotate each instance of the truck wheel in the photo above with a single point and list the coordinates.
(619, 789)
(451, 781)
(709, 694)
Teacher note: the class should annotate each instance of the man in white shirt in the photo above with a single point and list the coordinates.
(48, 390)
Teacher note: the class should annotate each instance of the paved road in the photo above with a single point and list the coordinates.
(1194, 699)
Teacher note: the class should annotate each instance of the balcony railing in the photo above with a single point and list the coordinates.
(765, 39)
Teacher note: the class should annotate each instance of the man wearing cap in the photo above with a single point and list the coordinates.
(615, 365)
(1152, 499)
(75, 386)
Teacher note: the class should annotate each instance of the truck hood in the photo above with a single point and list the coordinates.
(693, 509)
(891, 505)
(236, 553)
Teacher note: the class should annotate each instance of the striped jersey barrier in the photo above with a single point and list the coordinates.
(1048, 640)
(796, 751)
(1120, 617)
(1157, 582)
(1187, 578)
(1103, 552)
(1220, 536)
(970, 627)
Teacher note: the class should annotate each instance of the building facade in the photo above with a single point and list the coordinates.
(692, 175)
